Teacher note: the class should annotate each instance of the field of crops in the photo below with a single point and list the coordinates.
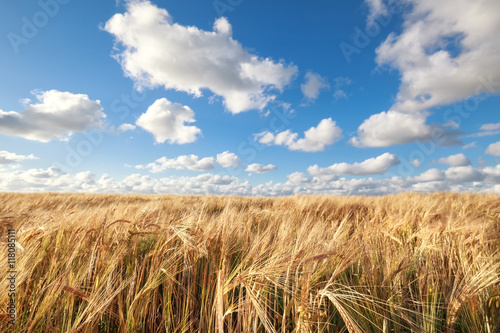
(132, 263)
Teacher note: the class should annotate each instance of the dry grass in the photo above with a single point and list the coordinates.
(130, 263)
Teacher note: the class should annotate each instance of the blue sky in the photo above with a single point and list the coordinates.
(250, 97)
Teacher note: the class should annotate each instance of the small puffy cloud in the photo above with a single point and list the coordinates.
(430, 175)
(192, 162)
(259, 168)
(126, 127)
(298, 178)
(452, 124)
(455, 160)
(11, 158)
(490, 127)
(167, 122)
(416, 163)
(214, 179)
(393, 128)
(315, 139)
(464, 174)
(493, 149)
(372, 166)
(227, 159)
(313, 85)
(154, 51)
(57, 116)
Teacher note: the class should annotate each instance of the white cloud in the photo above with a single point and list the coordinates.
(57, 116)
(192, 162)
(11, 158)
(483, 133)
(487, 130)
(470, 145)
(490, 127)
(430, 175)
(464, 174)
(227, 159)
(493, 149)
(339, 93)
(372, 166)
(455, 160)
(394, 128)
(340, 83)
(443, 56)
(298, 178)
(126, 127)
(416, 163)
(166, 121)
(313, 85)
(391, 128)
(492, 174)
(259, 168)
(456, 179)
(158, 52)
(315, 139)
(377, 8)
(214, 179)
(452, 124)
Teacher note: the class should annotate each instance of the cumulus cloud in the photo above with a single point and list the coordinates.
(443, 57)
(493, 149)
(126, 127)
(393, 128)
(315, 139)
(430, 175)
(57, 116)
(455, 160)
(416, 163)
(259, 168)
(167, 122)
(298, 178)
(313, 85)
(228, 160)
(464, 174)
(456, 179)
(11, 158)
(372, 166)
(155, 51)
(192, 162)
(214, 179)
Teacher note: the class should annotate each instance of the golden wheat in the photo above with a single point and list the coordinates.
(139, 263)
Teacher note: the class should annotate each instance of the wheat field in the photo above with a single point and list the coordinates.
(166, 263)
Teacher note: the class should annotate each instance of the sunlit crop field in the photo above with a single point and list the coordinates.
(140, 263)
